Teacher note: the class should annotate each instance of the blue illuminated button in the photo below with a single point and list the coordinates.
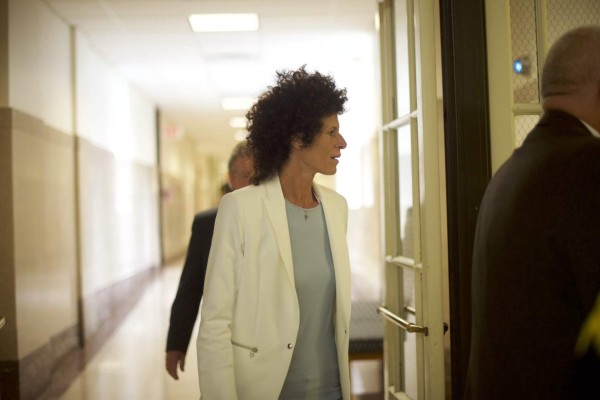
(518, 66)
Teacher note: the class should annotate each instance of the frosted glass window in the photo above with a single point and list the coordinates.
(402, 59)
(405, 191)
(524, 49)
(564, 15)
(523, 125)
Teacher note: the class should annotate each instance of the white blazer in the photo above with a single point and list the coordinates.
(250, 314)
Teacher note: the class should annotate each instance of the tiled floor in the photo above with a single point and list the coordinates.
(131, 364)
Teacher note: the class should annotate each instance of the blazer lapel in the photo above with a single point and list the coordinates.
(275, 209)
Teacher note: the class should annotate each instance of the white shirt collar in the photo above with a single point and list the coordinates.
(592, 130)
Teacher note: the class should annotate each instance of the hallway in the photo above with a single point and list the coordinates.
(117, 119)
(130, 365)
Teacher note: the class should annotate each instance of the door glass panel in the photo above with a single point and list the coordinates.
(523, 125)
(566, 15)
(524, 51)
(407, 380)
(408, 286)
(410, 339)
(395, 335)
(402, 60)
(410, 361)
(405, 192)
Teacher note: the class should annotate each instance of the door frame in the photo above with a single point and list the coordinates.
(468, 170)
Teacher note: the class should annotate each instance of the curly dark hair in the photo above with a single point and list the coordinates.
(293, 108)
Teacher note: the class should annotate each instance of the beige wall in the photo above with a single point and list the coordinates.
(41, 290)
(4, 53)
(118, 202)
(118, 217)
(39, 64)
(210, 174)
(77, 149)
(118, 191)
(38, 287)
(111, 113)
(190, 183)
(44, 236)
(8, 336)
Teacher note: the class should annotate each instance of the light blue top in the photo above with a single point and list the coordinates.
(313, 372)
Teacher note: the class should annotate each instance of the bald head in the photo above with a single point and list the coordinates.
(571, 73)
(572, 62)
(240, 166)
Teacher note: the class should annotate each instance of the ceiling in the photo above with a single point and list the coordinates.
(187, 74)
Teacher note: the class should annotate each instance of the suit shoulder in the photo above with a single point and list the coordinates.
(205, 219)
(243, 195)
(206, 215)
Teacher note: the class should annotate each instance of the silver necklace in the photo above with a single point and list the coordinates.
(306, 210)
(305, 214)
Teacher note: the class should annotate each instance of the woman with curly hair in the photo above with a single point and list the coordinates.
(276, 311)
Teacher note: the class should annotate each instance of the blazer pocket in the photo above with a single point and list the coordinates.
(253, 349)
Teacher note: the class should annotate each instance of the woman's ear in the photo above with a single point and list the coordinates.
(297, 143)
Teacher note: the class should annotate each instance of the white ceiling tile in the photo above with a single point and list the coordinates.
(187, 74)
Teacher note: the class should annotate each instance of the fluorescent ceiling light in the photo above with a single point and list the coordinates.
(237, 103)
(237, 122)
(223, 22)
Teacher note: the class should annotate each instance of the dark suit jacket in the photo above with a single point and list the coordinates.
(191, 284)
(536, 265)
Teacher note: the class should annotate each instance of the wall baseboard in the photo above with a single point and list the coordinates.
(49, 371)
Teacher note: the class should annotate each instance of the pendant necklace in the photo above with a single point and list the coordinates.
(301, 209)
(307, 209)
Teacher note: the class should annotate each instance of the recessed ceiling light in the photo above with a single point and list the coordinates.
(237, 122)
(237, 103)
(223, 22)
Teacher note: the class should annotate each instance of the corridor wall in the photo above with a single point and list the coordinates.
(117, 188)
(38, 294)
(79, 237)
(177, 174)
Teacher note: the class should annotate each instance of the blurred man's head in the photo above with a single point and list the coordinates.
(571, 75)
(240, 167)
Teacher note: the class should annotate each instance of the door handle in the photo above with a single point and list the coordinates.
(396, 320)
(2, 322)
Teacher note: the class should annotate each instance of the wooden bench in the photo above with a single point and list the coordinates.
(366, 332)
(366, 335)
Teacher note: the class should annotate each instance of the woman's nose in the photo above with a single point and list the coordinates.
(342, 142)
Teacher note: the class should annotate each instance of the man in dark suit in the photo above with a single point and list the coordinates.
(536, 257)
(191, 284)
